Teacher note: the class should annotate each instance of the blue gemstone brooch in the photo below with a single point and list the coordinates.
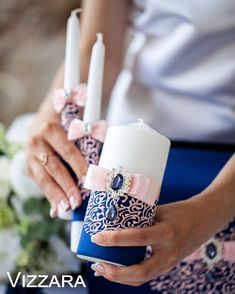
(117, 183)
(211, 252)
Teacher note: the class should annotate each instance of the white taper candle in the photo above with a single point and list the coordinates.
(92, 109)
(71, 65)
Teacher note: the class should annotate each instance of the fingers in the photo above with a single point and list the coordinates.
(58, 172)
(132, 237)
(53, 192)
(56, 137)
(134, 275)
(61, 176)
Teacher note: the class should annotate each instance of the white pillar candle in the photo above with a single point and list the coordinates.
(92, 109)
(71, 65)
(136, 147)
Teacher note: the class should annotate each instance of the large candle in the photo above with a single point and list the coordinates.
(142, 151)
(71, 65)
(138, 148)
(95, 81)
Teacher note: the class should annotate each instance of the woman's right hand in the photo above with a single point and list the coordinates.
(47, 142)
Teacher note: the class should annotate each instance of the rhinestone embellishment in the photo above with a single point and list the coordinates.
(67, 93)
(118, 182)
(112, 212)
(211, 252)
(88, 128)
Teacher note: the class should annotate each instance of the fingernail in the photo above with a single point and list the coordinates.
(98, 238)
(52, 212)
(64, 205)
(83, 179)
(73, 202)
(97, 275)
(99, 268)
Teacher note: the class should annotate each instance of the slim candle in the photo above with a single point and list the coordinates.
(95, 82)
(71, 71)
(92, 113)
(71, 66)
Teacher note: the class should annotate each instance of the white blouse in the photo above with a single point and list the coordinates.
(179, 73)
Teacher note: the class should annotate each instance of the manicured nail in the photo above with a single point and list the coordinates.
(99, 268)
(64, 205)
(97, 238)
(52, 212)
(97, 275)
(73, 202)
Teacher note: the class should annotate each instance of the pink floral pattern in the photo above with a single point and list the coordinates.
(69, 112)
(191, 277)
(90, 148)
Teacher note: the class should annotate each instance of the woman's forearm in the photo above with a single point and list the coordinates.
(217, 202)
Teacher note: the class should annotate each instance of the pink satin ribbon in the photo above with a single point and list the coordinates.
(77, 130)
(228, 252)
(78, 96)
(141, 187)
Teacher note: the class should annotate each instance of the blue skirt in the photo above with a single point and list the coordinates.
(190, 169)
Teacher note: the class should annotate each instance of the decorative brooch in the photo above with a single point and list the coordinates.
(117, 183)
(211, 252)
(120, 181)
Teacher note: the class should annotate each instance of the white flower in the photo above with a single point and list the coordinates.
(18, 131)
(5, 165)
(4, 190)
(9, 250)
(22, 184)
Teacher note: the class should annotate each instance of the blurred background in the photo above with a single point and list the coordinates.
(31, 49)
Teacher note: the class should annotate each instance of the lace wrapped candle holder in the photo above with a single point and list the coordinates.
(89, 140)
(68, 104)
(119, 200)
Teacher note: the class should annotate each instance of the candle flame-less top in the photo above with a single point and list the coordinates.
(71, 65)
(92, 111)
(136, 147)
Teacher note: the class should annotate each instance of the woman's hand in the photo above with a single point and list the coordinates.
(48, 142)
(180, 228)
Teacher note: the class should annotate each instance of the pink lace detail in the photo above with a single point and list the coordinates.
(191, 277)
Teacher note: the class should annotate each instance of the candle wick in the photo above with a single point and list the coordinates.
(140, 120)
(76, 11)
(99, 37)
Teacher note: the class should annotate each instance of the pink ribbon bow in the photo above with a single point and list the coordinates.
(62, 96)
(79, 129)
(141, 187)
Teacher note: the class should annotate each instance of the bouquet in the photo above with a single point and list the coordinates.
(30, 241)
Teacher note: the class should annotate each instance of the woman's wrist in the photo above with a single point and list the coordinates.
(212, 212)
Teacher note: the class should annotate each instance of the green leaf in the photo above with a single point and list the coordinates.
(31, 206)
(6, 217)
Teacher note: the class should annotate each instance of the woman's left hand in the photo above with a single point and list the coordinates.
(180, 228)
